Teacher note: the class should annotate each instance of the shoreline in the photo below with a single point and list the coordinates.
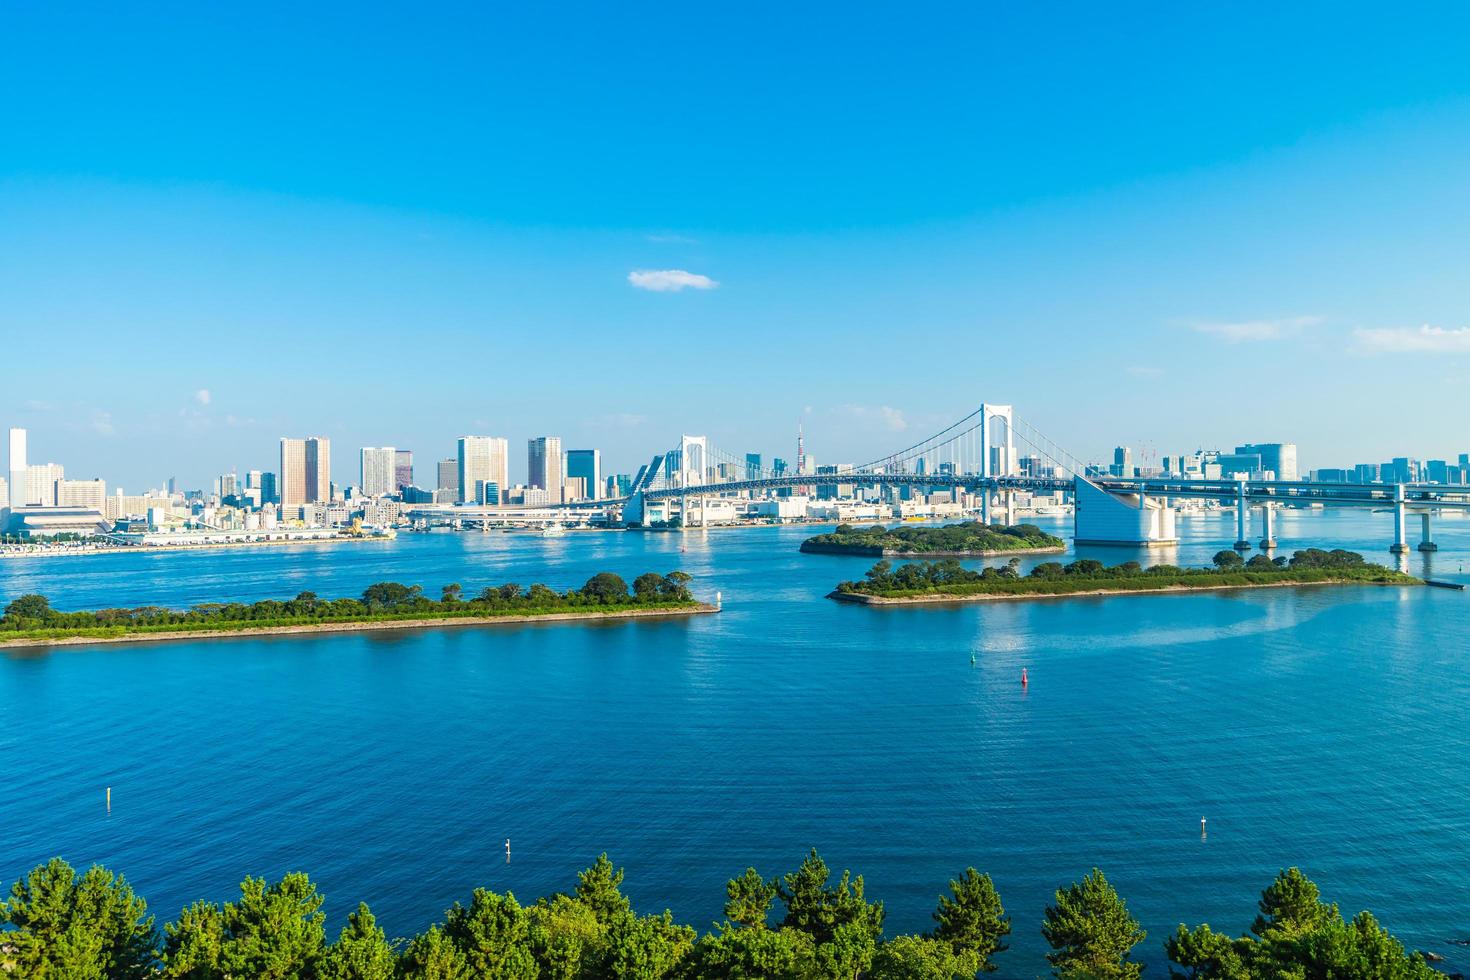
(365, 626)
(161, 548)
(863, 599)
(861, 552)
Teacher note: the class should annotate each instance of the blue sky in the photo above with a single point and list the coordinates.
(1163, 227)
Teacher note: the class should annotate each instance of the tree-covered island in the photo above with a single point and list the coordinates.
(30, 619)
(93, 926)
(970, 539)
(938, 581)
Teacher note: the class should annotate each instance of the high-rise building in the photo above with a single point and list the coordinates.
(252, 479)
(40, 483)
(449, 476)
(1436, 471)
(1405, 469)
(306, 471)
(586, 464)
(18, 468)
(227, 484)
(1277, 457)
(752, 466)
(545, 466)
(269, 493)
(1122, 462)
(4, 493)
(402, 469)
(482, 460)
(377, 469)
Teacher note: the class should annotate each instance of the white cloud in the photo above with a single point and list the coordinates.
(1411, 340)
(202, 396)
(883, 416)
(1249, 331)
(669, 280)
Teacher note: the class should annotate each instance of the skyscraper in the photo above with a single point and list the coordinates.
(483, 460)
(268, 490)
(752, 466)
(378, 467)
(403, 469)
(586, 464)
(1122, 461)
(18, 468)
(545, 466)
(449, 475)
(306, 471)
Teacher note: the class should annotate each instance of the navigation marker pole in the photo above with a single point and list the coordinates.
(109, 799)
(507, 850)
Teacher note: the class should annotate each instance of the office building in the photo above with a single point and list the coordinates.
(574, 488)
(545, 466)
(483, 460)
(40, 484)
(1436, 471)
(1277, 457)
(306, 471)
(1234, 466)
(752, 466)
(1122, 462)
(91, 494)
(585, 465)
(377, 471)
(252, 480)
(1404, 469)
(268, 491)
(402, 469)
(448, 476)
(18, 468)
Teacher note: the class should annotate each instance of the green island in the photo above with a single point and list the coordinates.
(93, 926)
(30, 619)
(968, 539)
(942, 581)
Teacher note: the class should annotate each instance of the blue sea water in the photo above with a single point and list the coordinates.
(1323, 727)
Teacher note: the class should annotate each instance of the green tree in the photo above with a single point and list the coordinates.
(432, 956)
(79, 927)
(597, 887)
(564, 934)
(361, 952)
(1091, 932)
(921, 958)
(29, 606)
(646, 586)
(755, 954)
(1290, 906)
(605, 587)
(274, 932)
(648, 947)
(452, 592)
(749, 899)
(972, 920)
(390, 595)
(843, 925)
(1226, 560)
(493, 936)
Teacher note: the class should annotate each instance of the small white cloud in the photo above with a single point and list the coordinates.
(883, 416)
(202, 396)
(1411, 340)
(1249, 331)
(669, 280)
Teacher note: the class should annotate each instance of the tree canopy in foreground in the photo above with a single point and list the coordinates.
(91, 926)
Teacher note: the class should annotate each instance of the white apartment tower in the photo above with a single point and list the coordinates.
(483, 460)
(378, 468)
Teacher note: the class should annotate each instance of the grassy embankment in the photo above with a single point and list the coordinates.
(970, 538)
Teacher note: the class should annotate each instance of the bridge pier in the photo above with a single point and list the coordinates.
(1426, 540)
(1268, 528)
(984, 505)
(1242, 517)
(1398, 547)
(1010, 498)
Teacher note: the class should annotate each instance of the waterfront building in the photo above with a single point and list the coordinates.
(402, 468)
(1122, 461)
(574, 488)
(1365, 473)
(378, 466)
(545, 466)
(1277, 457)
(4, 493)
(1234, 466)
(306, 471)
(1436, 471)
(482, 460)
(448, 475)
(1405, 469)
(18, 468)
(752, 466)
(586, 465)
(268, 494)
(87, 494)
(252, 480)
(1332, 476)
(40, 484)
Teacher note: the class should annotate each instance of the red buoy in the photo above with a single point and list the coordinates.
(1023, 677)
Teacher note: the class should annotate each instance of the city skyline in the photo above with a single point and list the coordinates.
(1102, 246)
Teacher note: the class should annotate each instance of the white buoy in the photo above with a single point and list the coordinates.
(109, 799)
(507, 850)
